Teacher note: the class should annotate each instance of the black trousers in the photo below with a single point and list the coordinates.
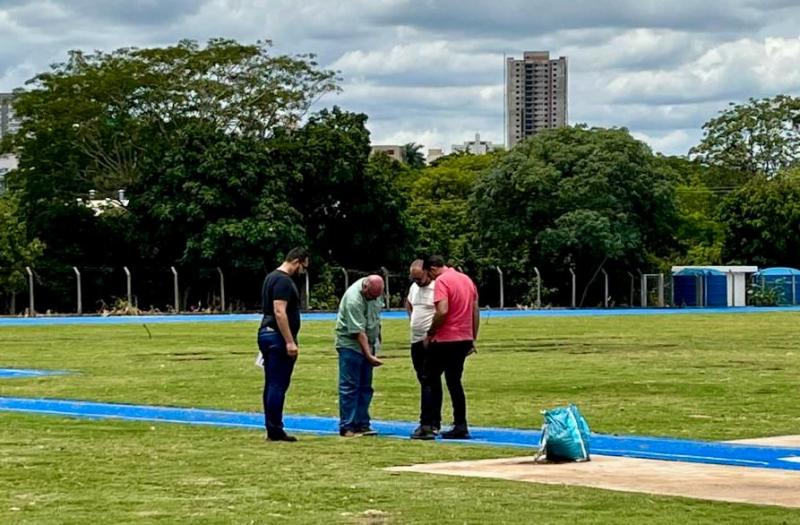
(447, 358)
(434, 392)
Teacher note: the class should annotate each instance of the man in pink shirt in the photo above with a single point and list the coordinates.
(449, 340)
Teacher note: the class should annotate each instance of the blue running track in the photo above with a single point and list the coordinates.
(485, 314)
(25, 372)
(667, 449)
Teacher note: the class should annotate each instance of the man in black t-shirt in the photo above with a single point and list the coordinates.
(277, 338)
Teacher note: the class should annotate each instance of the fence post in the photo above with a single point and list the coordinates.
(502, 291)
(221, 288)
(573, 287)
(643, 291)
(605, 287)
(794, 290)
(661, 290)
(31, 306)
(386, 287)
(633, 285)
(128, 282)
(175, 285)
(672, 290)
(538, 287)
(308, 291)
(346, 279)
(732, 284)
(80, 295)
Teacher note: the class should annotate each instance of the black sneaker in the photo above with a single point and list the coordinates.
(367, 431)
(283, 436)
(423, 432)
(457, 432)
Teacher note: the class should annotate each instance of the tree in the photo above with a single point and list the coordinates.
(197, 136)
(215, 198)
(353, 208)
(759, 137)
(413, 156)
(699, 190)
(440, 206)
(762, 221)
(574, 197)
(16, 250)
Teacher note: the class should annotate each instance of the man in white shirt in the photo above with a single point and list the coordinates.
(420, 308)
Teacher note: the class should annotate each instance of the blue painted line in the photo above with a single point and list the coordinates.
(28, 372)
(668, 449)
(328, 316)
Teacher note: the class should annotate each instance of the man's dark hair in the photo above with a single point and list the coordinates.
(433, 261)
(298, 253)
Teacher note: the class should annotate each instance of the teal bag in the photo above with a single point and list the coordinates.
(565, 435)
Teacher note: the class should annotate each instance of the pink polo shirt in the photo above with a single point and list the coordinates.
(461, 293)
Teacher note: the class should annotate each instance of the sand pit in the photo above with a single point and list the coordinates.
(775, 441)
(669, 478)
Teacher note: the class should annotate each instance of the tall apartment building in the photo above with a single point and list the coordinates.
(536, 94)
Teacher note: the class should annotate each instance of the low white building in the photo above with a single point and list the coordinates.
(7, 163)
(736, 280)
(476, 147)
(434, 154)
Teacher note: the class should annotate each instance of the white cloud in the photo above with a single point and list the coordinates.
(431, 72)
(736, 69)
(679, 140)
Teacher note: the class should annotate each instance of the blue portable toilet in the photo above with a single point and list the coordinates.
(699, 287)
(786, 280)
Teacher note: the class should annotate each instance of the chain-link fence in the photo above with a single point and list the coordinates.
(150, 289)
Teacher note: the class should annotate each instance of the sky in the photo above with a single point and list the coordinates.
(431, 72)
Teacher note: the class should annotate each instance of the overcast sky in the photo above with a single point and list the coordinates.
(431, 72)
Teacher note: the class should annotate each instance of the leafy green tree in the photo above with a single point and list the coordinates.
(761, 136)
(353, 208)
(216, 199)
(199, 137)
(16, 250)
(93, 121)
(762, 222)
(574, 197)
(440, 206)
(412, 154)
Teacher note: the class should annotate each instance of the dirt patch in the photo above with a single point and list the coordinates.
(668, 478)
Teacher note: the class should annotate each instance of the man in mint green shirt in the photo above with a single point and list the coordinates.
(358, 334)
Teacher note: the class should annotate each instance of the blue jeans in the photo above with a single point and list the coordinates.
(278, 367)
(355, 390)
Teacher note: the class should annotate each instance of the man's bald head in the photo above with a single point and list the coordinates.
(418, 274)
(372, 287)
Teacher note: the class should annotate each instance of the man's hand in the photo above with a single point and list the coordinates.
(374, 361)
(292, 350)
(426, 342)
(473, 349)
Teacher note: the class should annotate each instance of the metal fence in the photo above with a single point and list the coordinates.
(144, 289)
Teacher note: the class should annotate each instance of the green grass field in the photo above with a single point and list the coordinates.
(709, 377)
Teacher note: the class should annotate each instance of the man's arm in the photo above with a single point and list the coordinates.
(282, 320)
(363, 342)
(442, 307)
(476, 319)
(409, 307)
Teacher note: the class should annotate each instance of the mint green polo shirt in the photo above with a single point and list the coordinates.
(356, 314)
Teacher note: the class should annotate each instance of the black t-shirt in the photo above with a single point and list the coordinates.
(278, 286)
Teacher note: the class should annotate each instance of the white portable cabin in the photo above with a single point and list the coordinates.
(736, 280)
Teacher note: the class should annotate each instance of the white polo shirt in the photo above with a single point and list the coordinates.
(421, 300)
